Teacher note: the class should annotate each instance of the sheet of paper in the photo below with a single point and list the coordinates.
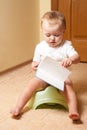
(52, 72)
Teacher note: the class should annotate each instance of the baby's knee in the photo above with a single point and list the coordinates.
(68, 82)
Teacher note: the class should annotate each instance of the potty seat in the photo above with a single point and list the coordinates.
(50, 97)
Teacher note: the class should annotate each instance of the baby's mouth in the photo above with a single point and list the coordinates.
(52, 43)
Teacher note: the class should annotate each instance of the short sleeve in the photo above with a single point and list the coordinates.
(70, 49)
(37, 53)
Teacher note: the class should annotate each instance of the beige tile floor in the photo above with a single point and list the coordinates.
(11, 85)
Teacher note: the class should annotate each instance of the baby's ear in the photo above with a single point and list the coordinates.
(40, 28)
(64, 30)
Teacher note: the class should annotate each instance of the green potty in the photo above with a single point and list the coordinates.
(50, 97)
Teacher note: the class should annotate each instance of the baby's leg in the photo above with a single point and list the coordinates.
(34, 84)
(71, 100)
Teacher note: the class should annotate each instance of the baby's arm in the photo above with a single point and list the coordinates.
(71, 60)
(35, 65)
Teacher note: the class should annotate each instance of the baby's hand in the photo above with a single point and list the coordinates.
(66, 62)
(35, 65)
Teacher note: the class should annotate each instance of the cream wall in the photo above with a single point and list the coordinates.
(19, 30)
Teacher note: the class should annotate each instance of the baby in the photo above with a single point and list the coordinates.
(54, 45)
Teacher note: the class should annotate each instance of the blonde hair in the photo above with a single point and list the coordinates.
(54, 16)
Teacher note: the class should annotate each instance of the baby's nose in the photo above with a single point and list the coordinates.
(52, 37)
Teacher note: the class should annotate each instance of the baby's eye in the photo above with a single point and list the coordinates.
(56, 35)
(47, 35)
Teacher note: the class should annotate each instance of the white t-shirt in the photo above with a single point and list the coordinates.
(58, 53)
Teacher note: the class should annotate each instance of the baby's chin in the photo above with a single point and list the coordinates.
(54, 45)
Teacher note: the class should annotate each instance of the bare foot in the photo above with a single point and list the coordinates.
(15, 112)
(74, 116)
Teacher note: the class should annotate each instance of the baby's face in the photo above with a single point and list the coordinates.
(52, 33)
